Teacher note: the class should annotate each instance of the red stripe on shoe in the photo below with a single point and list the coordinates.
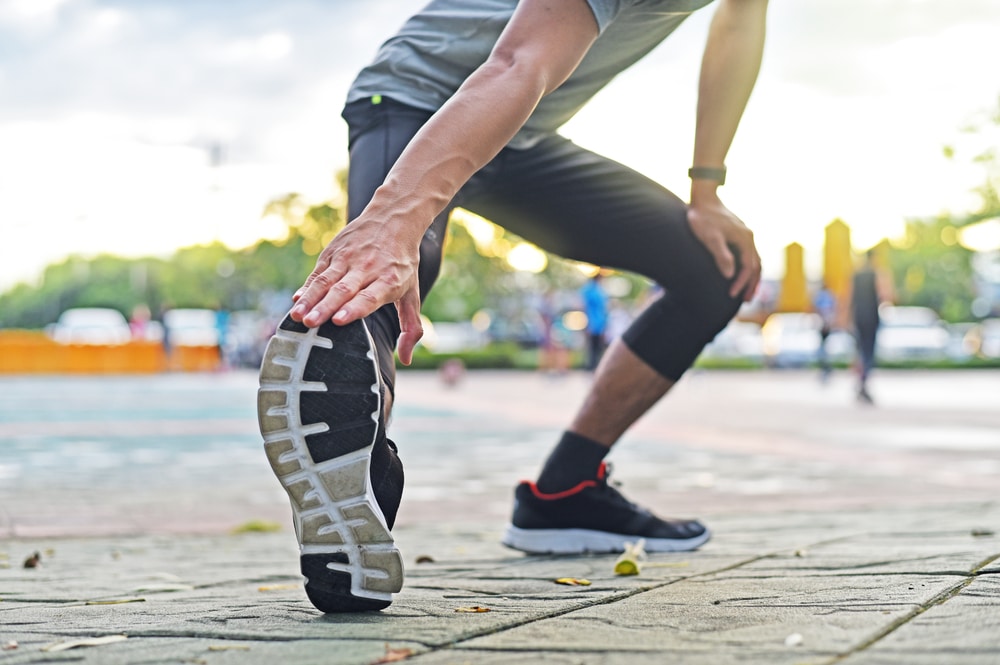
(561, 495)
(602, 471)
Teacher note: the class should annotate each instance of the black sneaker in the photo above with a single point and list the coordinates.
(592, 517)
(320, 411)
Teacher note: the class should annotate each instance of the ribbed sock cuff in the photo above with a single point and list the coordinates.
(574, 459)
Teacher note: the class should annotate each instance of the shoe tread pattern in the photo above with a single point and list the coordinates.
(318, 407)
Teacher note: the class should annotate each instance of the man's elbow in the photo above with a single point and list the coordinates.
(515, 69)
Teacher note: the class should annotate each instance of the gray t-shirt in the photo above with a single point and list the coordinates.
(436, 50)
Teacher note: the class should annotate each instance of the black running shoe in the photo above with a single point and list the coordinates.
(320, 411)
(593, 517)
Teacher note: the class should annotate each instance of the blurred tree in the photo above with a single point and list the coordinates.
(931, 269)
(476, 273)
(980, 144)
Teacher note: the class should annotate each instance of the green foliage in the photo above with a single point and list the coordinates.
(985, 132)
(931, 269)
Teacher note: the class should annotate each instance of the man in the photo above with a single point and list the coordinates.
(595, 306)
(866, 296)
(461, 108)
(825, 305)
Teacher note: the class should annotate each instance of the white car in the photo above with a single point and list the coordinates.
(910, 333)
(738, 340)
(192, 327)
(989, 338)
(792, 339)
(91, 325)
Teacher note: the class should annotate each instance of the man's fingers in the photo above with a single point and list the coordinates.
(409, 323)
(723, 256)
(749, 276)
(363, 303)
(325, 297)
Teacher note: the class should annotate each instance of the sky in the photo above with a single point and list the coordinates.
(139, 127)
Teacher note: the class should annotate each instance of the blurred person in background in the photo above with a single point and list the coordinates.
(461, 108)
(595, 306)
(868, 292)
(825, 305)
(556, 342)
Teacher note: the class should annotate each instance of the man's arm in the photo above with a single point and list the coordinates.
(728, 72)
(373, 261)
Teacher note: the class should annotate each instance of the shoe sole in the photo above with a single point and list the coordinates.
(582, 541)
(319, 408)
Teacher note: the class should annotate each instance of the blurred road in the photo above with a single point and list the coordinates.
(180, 453)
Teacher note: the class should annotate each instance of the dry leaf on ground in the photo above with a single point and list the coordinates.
(475, 609)
(573, 581)
(279, 587)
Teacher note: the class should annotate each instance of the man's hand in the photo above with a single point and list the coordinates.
(722, 232)
(362, 269)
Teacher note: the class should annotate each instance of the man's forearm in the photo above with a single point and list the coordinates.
(462, 137)
(541, 46)
(728, 72)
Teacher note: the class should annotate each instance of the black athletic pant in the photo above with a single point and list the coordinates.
(570, 202)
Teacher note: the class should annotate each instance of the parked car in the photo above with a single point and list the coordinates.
(738, 340)
(911, 333)
(988, 338)
(247, 334)
(91, 325)
(791, 339)
(192, 327)
(448, 337)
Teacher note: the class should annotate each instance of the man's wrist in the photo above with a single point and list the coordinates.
(704, 191)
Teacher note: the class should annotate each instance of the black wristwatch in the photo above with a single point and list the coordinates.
(718, 174)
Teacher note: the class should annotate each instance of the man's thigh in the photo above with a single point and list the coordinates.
(582, 206)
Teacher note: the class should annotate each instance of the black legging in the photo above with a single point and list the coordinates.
(570, 202)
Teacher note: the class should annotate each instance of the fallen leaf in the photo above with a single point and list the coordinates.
(474, 609)
(278, 587)
(87, 642)
(393, 655)
(573, 581)
(228, 647)
(628, 562)
(626, 565)
(115, 601)
(256, 526)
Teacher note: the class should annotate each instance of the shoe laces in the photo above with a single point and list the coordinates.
(606, 487)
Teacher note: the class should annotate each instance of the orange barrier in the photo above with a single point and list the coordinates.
(29, 352)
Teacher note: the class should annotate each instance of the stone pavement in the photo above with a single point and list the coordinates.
(842, 534)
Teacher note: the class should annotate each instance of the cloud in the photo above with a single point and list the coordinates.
(835, 44)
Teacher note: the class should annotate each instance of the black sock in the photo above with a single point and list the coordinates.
(574, 460)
